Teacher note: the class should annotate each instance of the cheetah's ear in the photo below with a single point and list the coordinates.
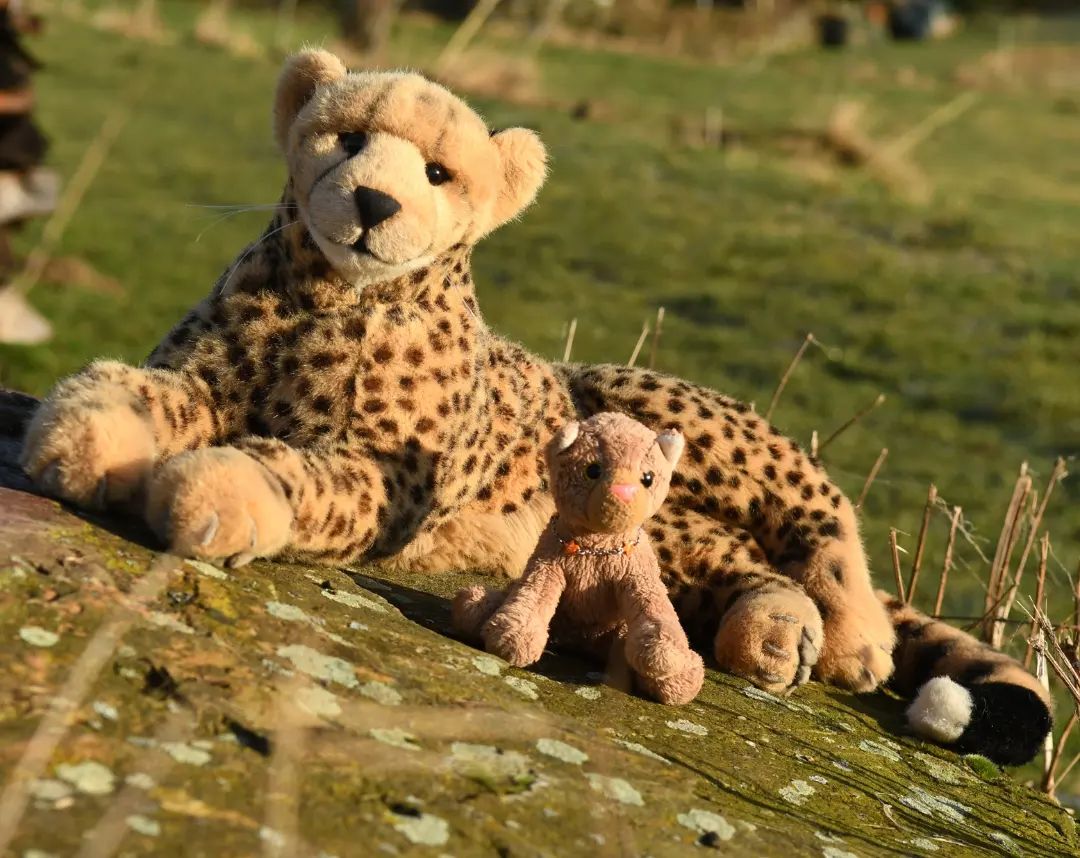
(524, 162)
(671, 444)
(301, 75)
(564, 438)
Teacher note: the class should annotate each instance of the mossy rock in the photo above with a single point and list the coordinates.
(311, 711)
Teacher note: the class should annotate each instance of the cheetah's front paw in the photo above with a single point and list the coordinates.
(89, 452)
(219, 504)
(772, 639)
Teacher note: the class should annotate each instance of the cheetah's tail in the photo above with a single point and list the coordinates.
(966, 694)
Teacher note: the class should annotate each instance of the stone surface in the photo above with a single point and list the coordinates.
(298, 711)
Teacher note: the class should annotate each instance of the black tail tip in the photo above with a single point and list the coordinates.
(1008, 723)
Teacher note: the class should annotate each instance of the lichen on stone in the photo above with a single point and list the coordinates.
(561, 751)
(617, 788)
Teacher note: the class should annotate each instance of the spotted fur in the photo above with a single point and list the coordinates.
(338, 397)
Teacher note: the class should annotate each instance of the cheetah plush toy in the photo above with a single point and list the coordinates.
(338, 396)
(593, 569)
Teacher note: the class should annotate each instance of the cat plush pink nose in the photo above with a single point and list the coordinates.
(624, 491)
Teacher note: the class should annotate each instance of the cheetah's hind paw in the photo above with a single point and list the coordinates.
(772, 639)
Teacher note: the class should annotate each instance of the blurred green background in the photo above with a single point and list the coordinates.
(914, 205)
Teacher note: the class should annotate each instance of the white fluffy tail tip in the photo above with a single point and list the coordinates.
(941, 711)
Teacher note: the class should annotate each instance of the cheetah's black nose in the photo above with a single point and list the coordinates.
(374, 206)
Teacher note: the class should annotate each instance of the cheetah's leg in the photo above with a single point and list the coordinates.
(762, 625)
(859, 636)
(330, 503)
(95, 439)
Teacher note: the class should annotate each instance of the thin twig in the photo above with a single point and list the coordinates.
(896, 564)
(655, 347)
(1076, 618)
(878, 462)
(568, 347)
(787, 375)
(93, 158)
(939, 117)
(1056, 475)
(920, 546)
(1047, 645)
(995, 594)
(878, 400)
(946, 566)
(638, 345)
(284, 778)
(1049, 783)
(57, 720)
(464, 34)
(1065, 773)
(1040, 587)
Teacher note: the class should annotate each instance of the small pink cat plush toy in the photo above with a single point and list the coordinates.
(593, 574)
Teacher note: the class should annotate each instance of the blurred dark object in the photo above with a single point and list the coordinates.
(833, 30)
(27, 189)
(916, 20)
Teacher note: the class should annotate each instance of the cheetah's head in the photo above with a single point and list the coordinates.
(389, 170)
(609, 473)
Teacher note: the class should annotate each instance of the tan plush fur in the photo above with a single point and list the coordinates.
(338, 396)
(608, 475)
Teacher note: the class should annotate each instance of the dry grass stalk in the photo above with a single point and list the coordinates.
(1040, 589)
(896, 565)
(878, 462)
(282, 807)
(464, 34)
(878, 400)
(655, 347)
(937, 119)
(814, 444)
(920, 546)
(1056, 475)
(1010, 527)
(568, 347)
(946, 566)
(637, 346)
(56, 722)
(104, 839)
(1050, 778)
(38, 259)
(1046, 643)
(1076, 617)
(787, 375)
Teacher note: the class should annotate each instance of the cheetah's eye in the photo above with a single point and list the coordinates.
(594, 471)
(353, 142)
(437, 174)
(647, 479)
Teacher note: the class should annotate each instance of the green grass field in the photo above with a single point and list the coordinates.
(964, 312)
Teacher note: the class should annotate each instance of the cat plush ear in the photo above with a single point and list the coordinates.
(671, 444)
(302, 74)
(564, 438)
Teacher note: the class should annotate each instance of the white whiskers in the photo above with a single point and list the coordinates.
(234, 210)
